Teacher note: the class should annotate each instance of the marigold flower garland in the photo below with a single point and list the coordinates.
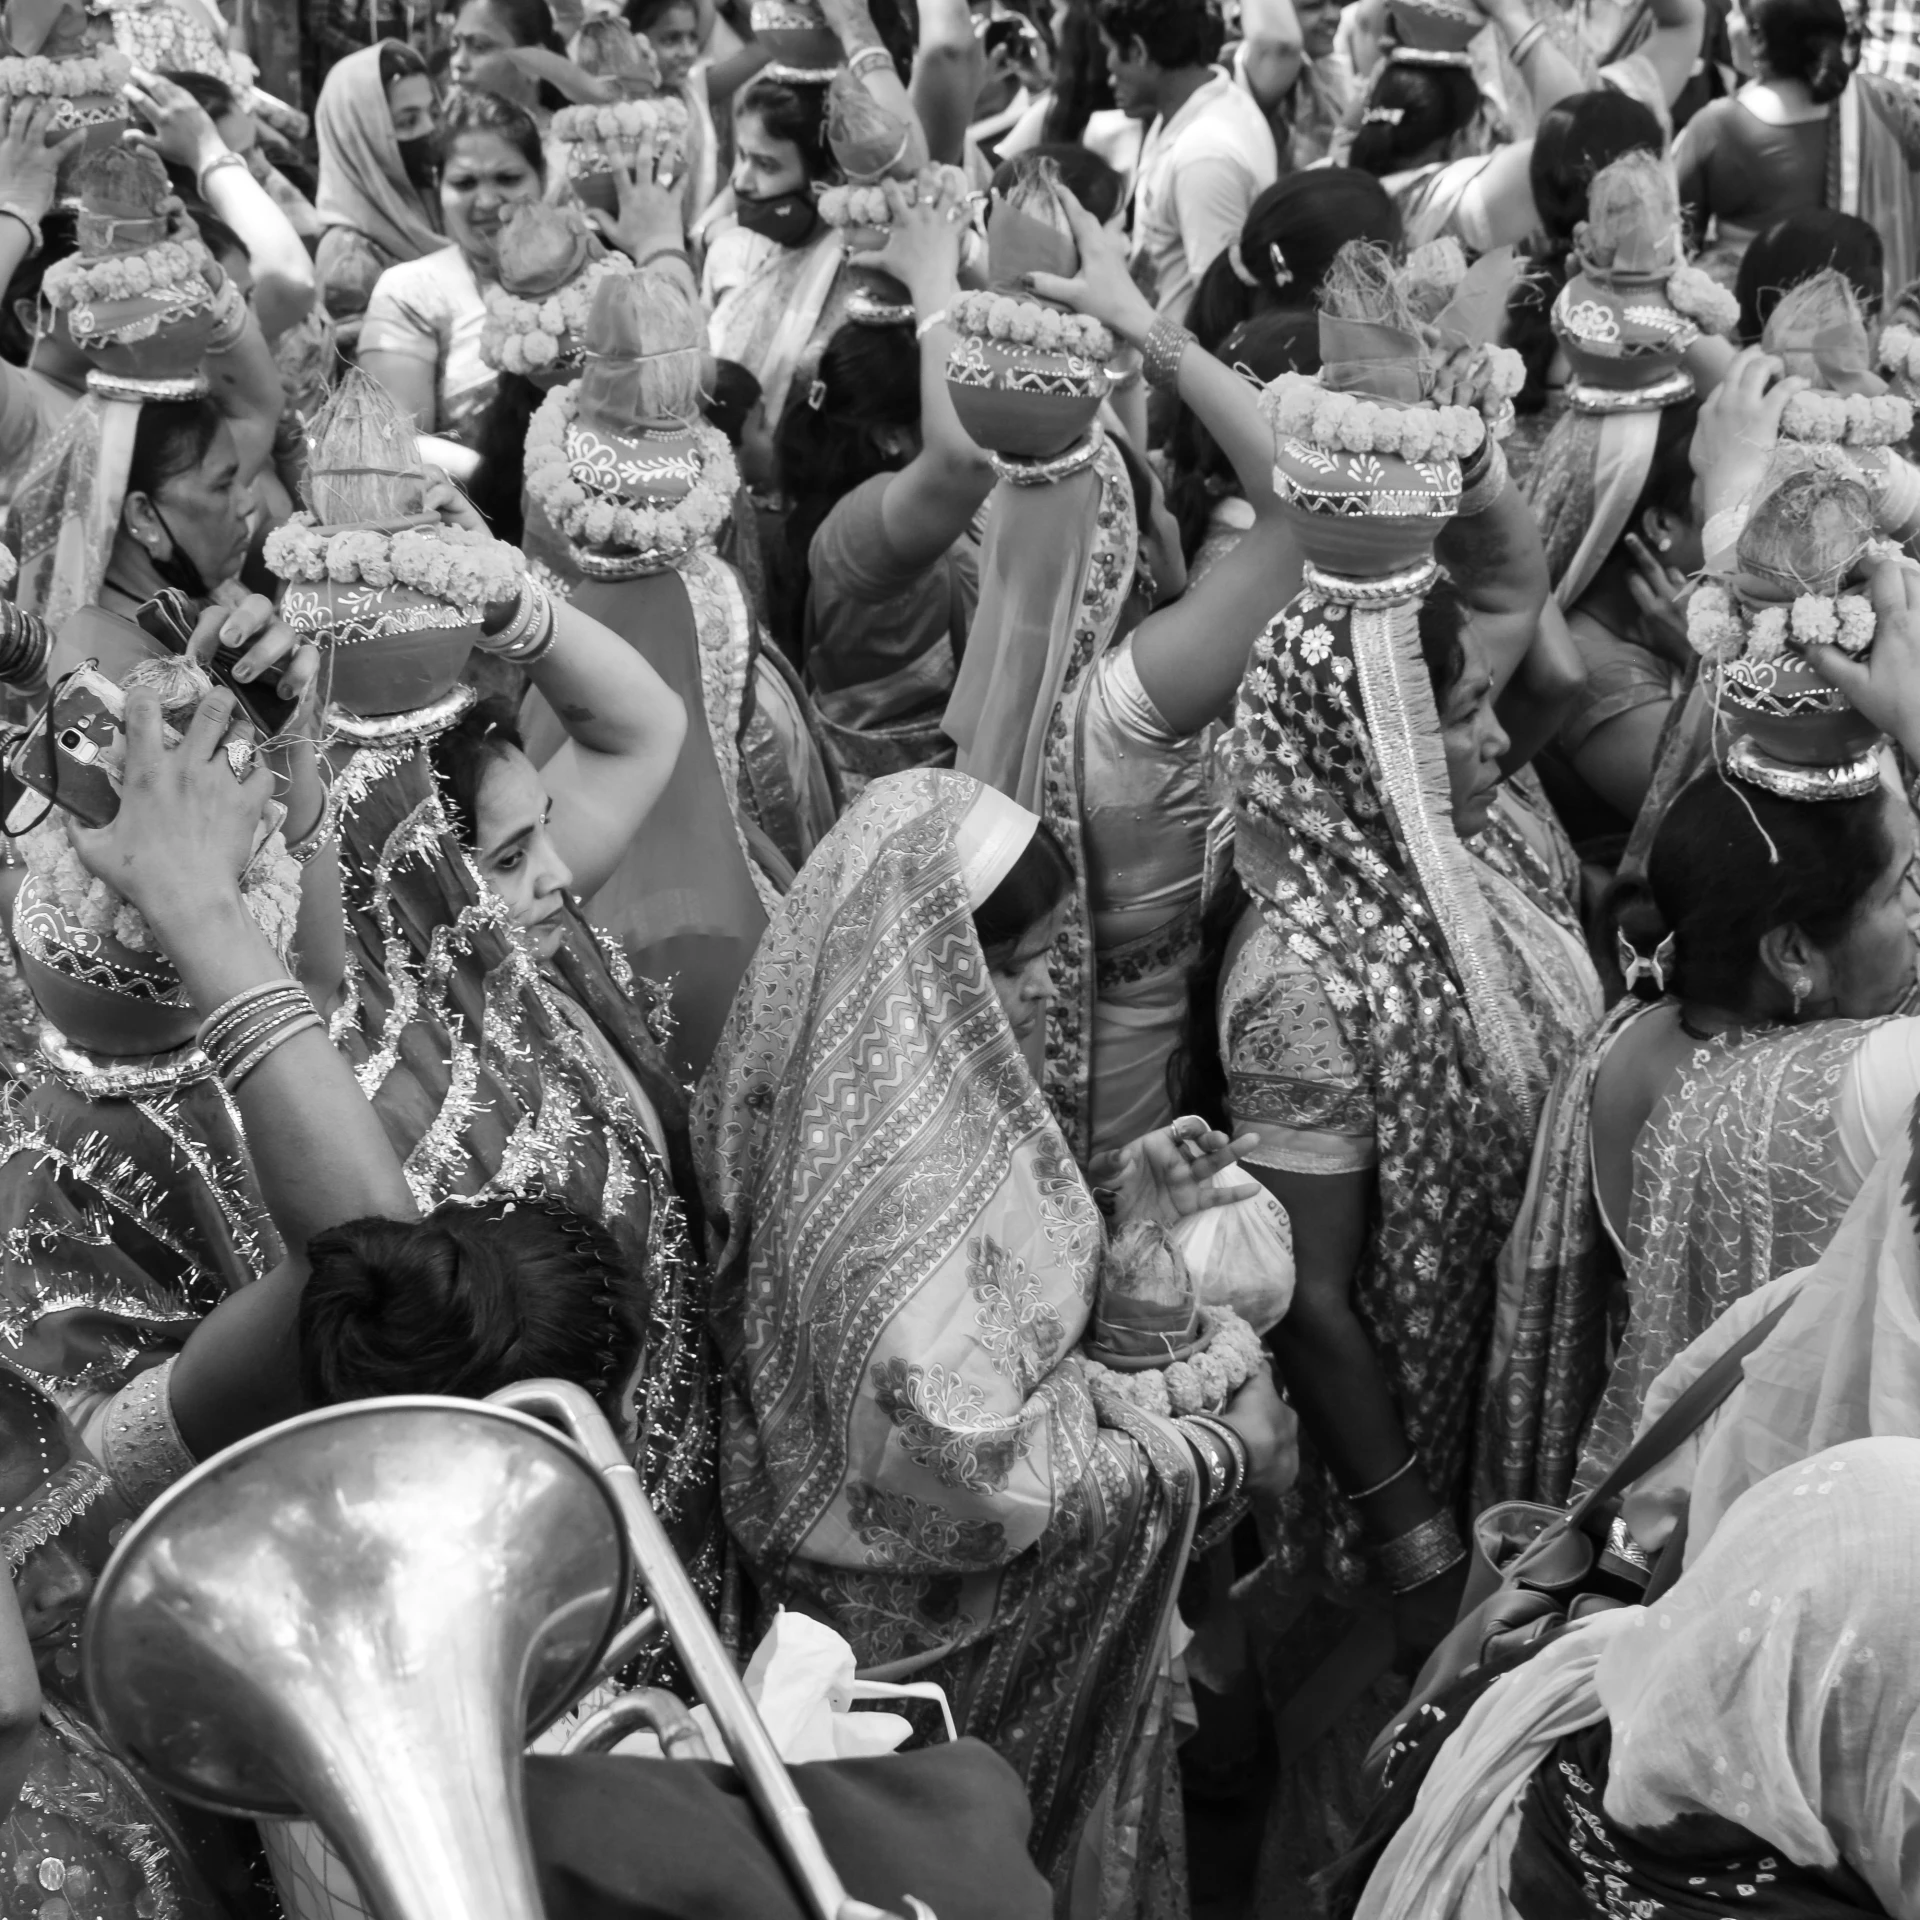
(867, 206)
(665, 533)
(1697, 294)
(1026, 323)
(1847, 419)
(1202, 1383)
(522, 335)
(1297, 405)
(80, 282)
(270, 887)
(590, 131)
(36, 76)
(469, 570)
(1720, 634)
(1900, 351)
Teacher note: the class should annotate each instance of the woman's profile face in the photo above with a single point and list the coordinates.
(485, 175)
(1021, 978)
(1872, 963)
(410, 106)
(1474, 742)
(765, 167)
(477, 31)
(205, 513)
(516, 854)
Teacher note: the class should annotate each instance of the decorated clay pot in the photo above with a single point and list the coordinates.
(100, 994)
(386, 649)
(1364, 514)
(1435, 26)
(796, 35)
(1620, 329)
(1794, 715)
(1025, 402)
(660, 466)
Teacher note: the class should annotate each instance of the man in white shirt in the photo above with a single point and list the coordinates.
(1208, 149)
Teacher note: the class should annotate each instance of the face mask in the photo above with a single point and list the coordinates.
(787, 222)
(178, 569)
(416, 156)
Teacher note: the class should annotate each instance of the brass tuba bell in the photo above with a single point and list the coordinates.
(358, 1616)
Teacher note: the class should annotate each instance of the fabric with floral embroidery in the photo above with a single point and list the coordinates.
(907, 1258)
(1736, 1180)
(1323, 850)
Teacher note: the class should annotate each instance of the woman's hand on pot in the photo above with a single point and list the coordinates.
(1885, 686)
(29, 166)
(648, 216)
(189, 814)
(1271, 1431)
(264, 645)
(1104, 286)
(183, 133)
(922, 246)
(1739, 427)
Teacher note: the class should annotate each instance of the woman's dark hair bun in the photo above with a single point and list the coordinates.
(464, 1302)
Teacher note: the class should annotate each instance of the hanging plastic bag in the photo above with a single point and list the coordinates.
(1241, 1256)
(802, 1679)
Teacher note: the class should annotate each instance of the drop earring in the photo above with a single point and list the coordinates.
(1801, 988)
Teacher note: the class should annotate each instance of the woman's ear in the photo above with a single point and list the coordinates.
(140, 520)
(1798, 969)
(1659, 529)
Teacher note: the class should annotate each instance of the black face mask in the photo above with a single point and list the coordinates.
(417, 157)
(787, 222)
(179, 568)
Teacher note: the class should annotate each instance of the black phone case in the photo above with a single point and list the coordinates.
(59, 756)
(169, 617)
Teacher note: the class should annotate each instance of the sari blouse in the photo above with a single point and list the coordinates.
(431, 310)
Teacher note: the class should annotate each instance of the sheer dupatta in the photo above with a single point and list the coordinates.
(906, 1260)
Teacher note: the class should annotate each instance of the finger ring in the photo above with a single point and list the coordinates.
(240, 757)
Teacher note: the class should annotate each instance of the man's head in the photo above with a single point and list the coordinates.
(1148, 43)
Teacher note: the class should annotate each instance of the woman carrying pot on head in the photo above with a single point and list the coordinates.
(928, 1467)
(775, 279)
(1712, 1131)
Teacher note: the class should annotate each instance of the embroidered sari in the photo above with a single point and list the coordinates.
(86, 1835)
(495, 1073)
(907, 1258)
(1343, 837)
(1738, 1178)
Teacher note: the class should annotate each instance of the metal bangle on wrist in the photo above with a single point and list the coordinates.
(1161, 353)
(1421, 1554)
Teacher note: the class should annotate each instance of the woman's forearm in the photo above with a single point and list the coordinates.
(248, 391)
(283, 282)
(606, 696)
(947, 70)
(854, 24)
(1334, 1379)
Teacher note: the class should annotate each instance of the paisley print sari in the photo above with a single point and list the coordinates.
(906, 1261)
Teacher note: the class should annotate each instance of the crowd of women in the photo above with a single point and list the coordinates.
(1120, 803)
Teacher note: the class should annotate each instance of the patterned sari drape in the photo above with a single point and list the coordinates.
(1335, 759)
(486, 1086)
(907, 1259)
